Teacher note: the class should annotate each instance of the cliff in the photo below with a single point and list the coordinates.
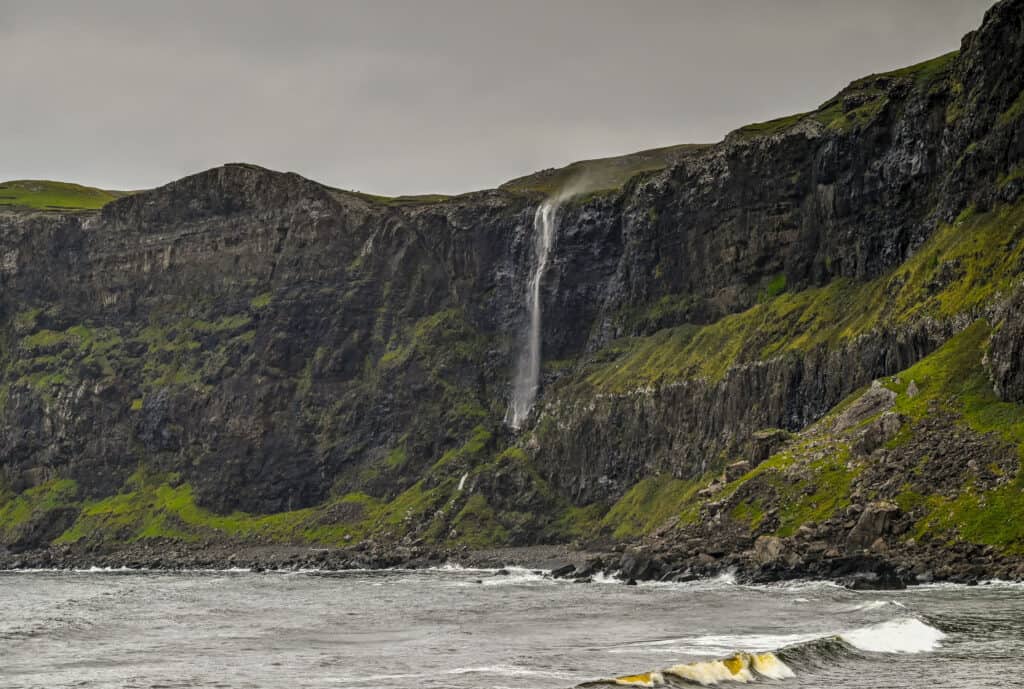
(249, 356)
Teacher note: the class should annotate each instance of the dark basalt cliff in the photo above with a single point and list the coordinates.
(244, 342)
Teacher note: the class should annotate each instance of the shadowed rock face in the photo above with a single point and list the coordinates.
(1005, 358)
(273, 340)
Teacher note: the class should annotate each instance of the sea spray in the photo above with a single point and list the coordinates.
(527, 380)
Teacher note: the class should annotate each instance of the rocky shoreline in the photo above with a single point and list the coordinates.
(770, 560)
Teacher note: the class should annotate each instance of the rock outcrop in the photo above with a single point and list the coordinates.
(247, 341)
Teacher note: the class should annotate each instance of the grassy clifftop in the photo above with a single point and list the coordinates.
(602, 174)
(45, 195)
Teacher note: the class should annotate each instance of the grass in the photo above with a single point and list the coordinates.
(154, 505)
(1013, 113)
(961, 268)
(261, 301)
(33, 504)
(769, 128)
(602, 174)
(823, 489)
(870, 90)
(812, 477)
(775, 287)
(649, 504)
(44, 195)
(955, 377)
(407, 200)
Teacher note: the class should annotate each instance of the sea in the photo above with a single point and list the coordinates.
(453, 628)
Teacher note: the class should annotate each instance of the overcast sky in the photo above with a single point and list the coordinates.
(422, 95)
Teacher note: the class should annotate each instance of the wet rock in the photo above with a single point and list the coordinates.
(591, 567)
(638, 565)
(884, 580)
(563, 572)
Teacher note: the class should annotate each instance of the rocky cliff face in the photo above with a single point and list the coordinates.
(271, 344)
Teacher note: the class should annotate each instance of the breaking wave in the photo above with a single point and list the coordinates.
(907, 635)
(898, 636)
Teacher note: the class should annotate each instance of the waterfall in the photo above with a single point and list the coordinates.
(527, 380)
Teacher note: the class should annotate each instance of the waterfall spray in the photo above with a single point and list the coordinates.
(527, 381)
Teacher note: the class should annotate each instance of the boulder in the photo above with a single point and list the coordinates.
(878, 433)
(767, 549)
(875, 521)
(765, 442)
(563, 572)
(736, 470)
(637, 565)
(877, 399)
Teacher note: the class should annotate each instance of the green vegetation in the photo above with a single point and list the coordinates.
(669, 310)
(261, 301)
(33, 505)
(751, 513)
(602, 174)
(952, 378)
(987, 517)
(649, 504)
(479, 524)
(769, 128)
(43, 195)
(811, 479)
(822, 490)
(1013, 113)
(955, 378)
(1015, 173)
(860, 102)
(775, 287)
(958, 271)
(925, 74)
(410, 200)
(160, 506)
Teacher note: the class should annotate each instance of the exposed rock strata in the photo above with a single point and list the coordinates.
(271, 342)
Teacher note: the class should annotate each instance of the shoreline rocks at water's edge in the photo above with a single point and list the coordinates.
(770, 560)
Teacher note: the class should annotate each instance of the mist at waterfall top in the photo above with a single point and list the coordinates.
(400, 97)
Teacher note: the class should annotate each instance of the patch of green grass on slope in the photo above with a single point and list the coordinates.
(957, 271)
(857, 104)
(602, 174)
(45, 195)
(954, 378)
(17, 510)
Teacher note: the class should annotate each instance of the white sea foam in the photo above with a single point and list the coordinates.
(906, 635)
(505, 670)
(517, 576)
(877, 605)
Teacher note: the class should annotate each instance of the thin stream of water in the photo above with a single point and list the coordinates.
(527, 380)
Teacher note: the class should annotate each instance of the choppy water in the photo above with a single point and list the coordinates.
(442, 629)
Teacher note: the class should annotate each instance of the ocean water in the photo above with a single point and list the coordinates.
(456, 629)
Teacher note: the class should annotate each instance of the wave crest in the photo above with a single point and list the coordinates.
(899, 636)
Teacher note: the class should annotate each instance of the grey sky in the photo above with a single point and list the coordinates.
(422, 96)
